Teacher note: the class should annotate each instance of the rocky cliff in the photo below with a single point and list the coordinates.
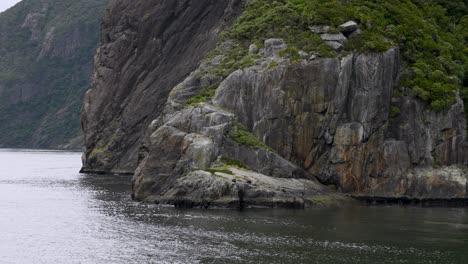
(212, 123)
(46, 58)
(146, 49)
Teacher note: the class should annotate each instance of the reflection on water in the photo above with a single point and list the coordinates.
(52, 214)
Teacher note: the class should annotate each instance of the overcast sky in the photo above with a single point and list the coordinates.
(5, 4)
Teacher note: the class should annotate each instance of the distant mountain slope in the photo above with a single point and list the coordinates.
(46, 57)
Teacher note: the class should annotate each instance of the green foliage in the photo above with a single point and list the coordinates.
(323, 200)
(101, 151)
(465, 99)
(394, 111)
(231, 162)
(234, 59)
(203, 96)
(432, 37)
(288, 20)
(246, 138)
(272, 65)
(237, 58)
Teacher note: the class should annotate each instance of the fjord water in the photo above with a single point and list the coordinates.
(52, 214)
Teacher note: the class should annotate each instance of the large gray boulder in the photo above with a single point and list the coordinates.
(339, 37)
(335, 41)
(320, 29)
(348, 27)
(272, 48)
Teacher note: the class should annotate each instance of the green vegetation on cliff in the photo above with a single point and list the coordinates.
(431, 35)
(243, 137)
(46, 58)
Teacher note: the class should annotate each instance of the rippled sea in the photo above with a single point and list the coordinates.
(49, 213)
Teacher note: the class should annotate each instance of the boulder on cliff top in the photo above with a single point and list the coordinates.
(320, 29)
(339, 37)
(335, 45)
(348, 27)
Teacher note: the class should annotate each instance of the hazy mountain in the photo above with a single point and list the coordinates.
(46, 58)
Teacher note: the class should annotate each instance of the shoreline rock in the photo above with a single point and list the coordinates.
(199, 136)
(245, 189)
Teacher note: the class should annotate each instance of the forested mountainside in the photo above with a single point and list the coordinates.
(46, 59)
(281, 103)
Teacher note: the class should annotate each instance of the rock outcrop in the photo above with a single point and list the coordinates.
(319, 114)
(193, 162)
(147, 49)
(277, 132)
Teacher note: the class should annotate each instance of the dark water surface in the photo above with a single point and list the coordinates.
(49, 213)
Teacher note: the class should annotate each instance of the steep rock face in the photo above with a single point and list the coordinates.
(434, 138)
(277, 132)
(299, 108)
(333, 118)
(46, 58)
(147, 48)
